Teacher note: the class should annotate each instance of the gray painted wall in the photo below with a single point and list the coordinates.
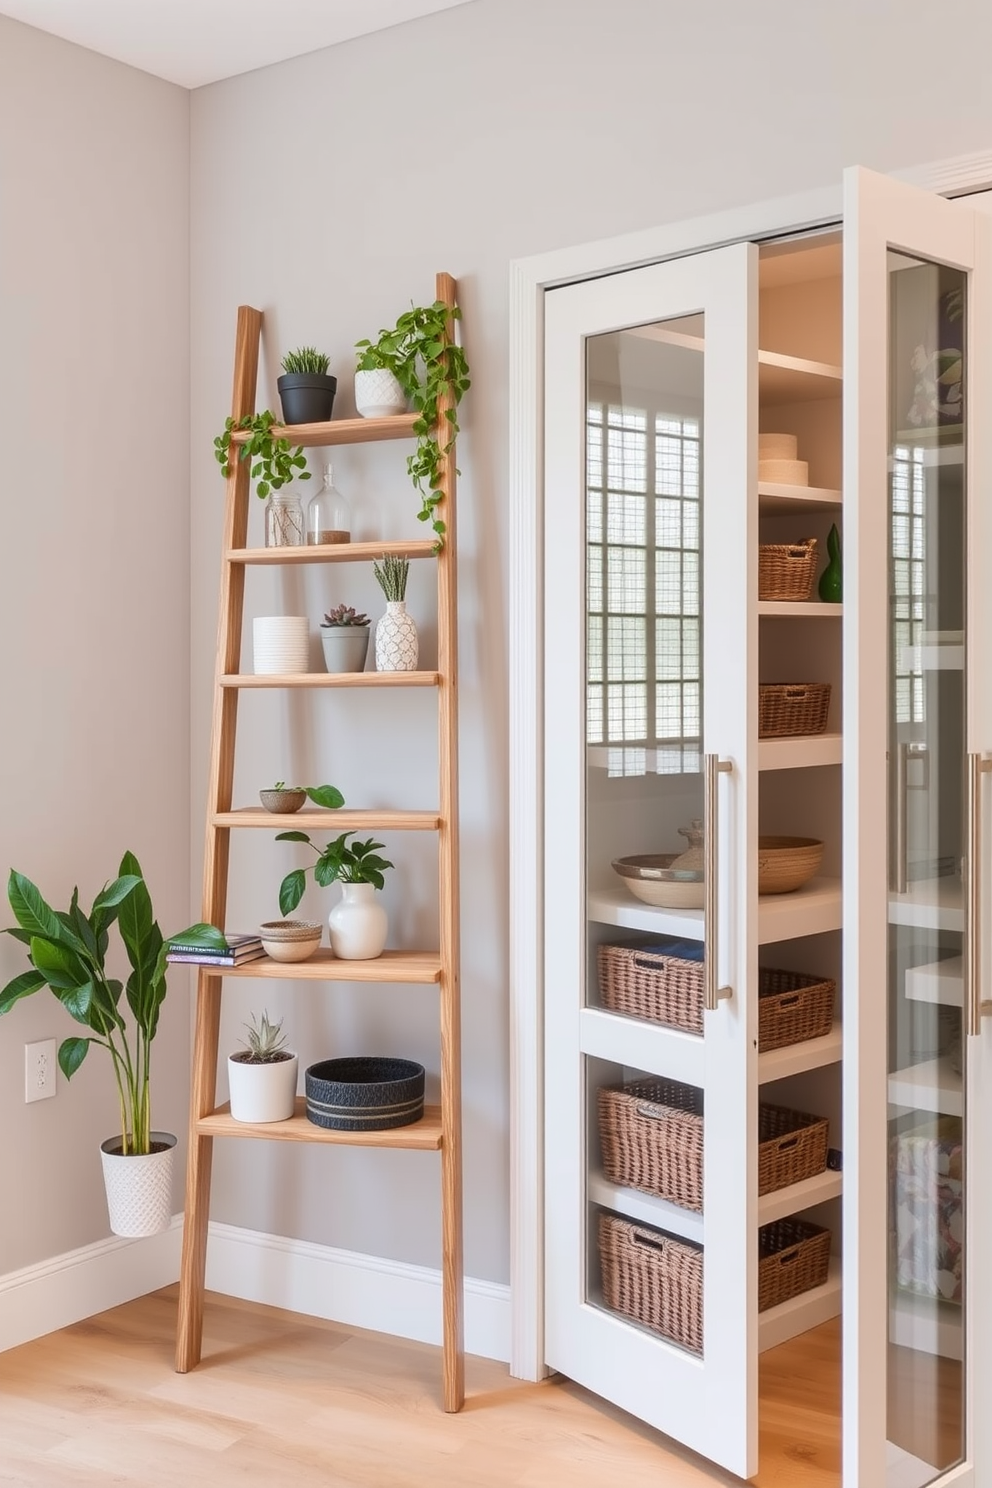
(327, 191)
(94, 570)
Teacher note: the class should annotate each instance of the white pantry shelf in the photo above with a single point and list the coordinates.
(796, 1059)
(801, 1313)
(645, 1208)
(929, 904)
(799, 1196)
(805, 752)
(939, 981)
(930, 1086)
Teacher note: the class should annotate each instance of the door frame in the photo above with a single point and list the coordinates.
(530, 279)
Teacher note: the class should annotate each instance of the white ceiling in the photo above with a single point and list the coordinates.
(192, 42)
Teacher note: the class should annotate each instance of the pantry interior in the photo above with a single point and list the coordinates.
(643, 1223)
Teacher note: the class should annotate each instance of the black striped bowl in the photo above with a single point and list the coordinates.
(364, 1094)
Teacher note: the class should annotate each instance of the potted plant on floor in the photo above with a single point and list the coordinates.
(358, 924)
(262, 1075)
(344, 636)
(68, 952)
(429, 367)
(306, 390)
(397, 646)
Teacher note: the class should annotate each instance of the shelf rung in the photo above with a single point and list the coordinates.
(340, 431)
(423, 1136)
(416, 967)
(321, 820)
(332, 679)
(357, 552)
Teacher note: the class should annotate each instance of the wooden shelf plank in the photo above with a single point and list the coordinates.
(320, 820)
(332, 679)
(323, 966)
(340, 431)
(805, 752)
(801, 1313)
(796, 1059)
(799, 610)
(423, 1136)
(645, 1208)
(799, 1196)
(355, 552)
(776, 499)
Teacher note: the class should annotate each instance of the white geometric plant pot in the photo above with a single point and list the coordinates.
(378, 394)
(396, 644)
(139, 1189)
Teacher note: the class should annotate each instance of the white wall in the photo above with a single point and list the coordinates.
(94, 576)
(327, 191)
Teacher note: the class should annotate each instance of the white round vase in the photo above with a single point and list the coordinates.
(139, 1189)
(262, 1092)
(358, 924)
(378, 394)
(280, 644)
(396, 644)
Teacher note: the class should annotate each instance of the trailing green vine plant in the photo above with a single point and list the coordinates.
(431, 368)
(274, 461)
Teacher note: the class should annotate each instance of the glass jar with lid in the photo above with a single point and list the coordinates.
(328, 514)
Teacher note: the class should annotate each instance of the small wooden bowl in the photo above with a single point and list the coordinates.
(786, 863)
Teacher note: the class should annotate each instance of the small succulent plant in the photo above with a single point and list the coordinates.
(344, 615)
(265, 1041)
(391, 575)
(305, 359)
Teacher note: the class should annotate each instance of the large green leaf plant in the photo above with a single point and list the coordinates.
(68, 953)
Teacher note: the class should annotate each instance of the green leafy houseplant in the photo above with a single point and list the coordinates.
(320, 795)
(354, 864)
(306, 359)
(343, 615)
(391, 576)
(274, 461)
(430, 368)
(68, 953)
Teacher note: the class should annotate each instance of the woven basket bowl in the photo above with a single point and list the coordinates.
(786, 863)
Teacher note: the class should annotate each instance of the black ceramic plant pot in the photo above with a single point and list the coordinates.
(364, 1094)
(306, 397)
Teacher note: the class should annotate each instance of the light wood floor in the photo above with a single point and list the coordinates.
(286, 1400)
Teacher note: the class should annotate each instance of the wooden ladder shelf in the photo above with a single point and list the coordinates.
(440, 1128)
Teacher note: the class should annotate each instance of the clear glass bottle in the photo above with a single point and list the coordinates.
(328, 514)
(284, 522)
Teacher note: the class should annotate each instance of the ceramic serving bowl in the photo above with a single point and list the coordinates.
(290, 940)
(786, 863)
(651, 878)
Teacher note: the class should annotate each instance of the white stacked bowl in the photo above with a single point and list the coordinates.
(280, 644)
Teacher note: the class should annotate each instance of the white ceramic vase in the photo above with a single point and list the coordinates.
(139, 1189)
(358, 924)
(345, 647)
(262, 1092)
(378, 394)
(280, 644)
(396, 644)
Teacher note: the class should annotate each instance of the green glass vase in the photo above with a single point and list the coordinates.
(830, 587)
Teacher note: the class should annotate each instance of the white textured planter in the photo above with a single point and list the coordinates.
(345, 647)
(262, 1092)
(280, 644)
(358, 924)
(396, 644)
(378, 394)
(139, 1189)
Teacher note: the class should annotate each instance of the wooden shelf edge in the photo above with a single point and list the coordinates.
(352, 552)
(340, 431)
(331, 679)
(321, 820)
(796, 1059)
(782, 1202)
(425, 1135)
(414, 967)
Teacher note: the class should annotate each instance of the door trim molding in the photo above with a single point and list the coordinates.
(529, 280)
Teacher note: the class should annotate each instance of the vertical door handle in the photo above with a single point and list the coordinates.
(978, 765)
(713, 993)
(901, 867)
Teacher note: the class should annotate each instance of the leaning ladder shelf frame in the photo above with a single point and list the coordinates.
(441, 1127)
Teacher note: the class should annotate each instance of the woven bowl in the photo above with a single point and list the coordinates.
(290, 940)
(651, 878)
(786, 863)
(282, 800)
(364, 1093)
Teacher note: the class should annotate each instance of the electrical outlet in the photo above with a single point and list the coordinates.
(39, 1070)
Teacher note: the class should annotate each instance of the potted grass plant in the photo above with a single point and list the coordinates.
(67, 951)
(262, 1075)
(306, 389)
(397, 646)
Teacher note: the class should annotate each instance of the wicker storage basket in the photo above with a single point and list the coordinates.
(786, 570)
(648, 983)
(787, 709)
(792, 1146)
(792, 1007)
(651, 1134)
(793, 1256)
(654, 1279)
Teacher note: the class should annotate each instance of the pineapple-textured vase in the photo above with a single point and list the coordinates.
(396, 645)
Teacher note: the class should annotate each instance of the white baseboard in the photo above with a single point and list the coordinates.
(55, 1293)
(361, 1291)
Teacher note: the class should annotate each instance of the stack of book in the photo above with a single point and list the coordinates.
(240, 948)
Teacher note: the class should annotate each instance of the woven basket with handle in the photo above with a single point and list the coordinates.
(793, 1256)
(788, 709)
(648, 983)
(653, 1278)
(786, 570)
